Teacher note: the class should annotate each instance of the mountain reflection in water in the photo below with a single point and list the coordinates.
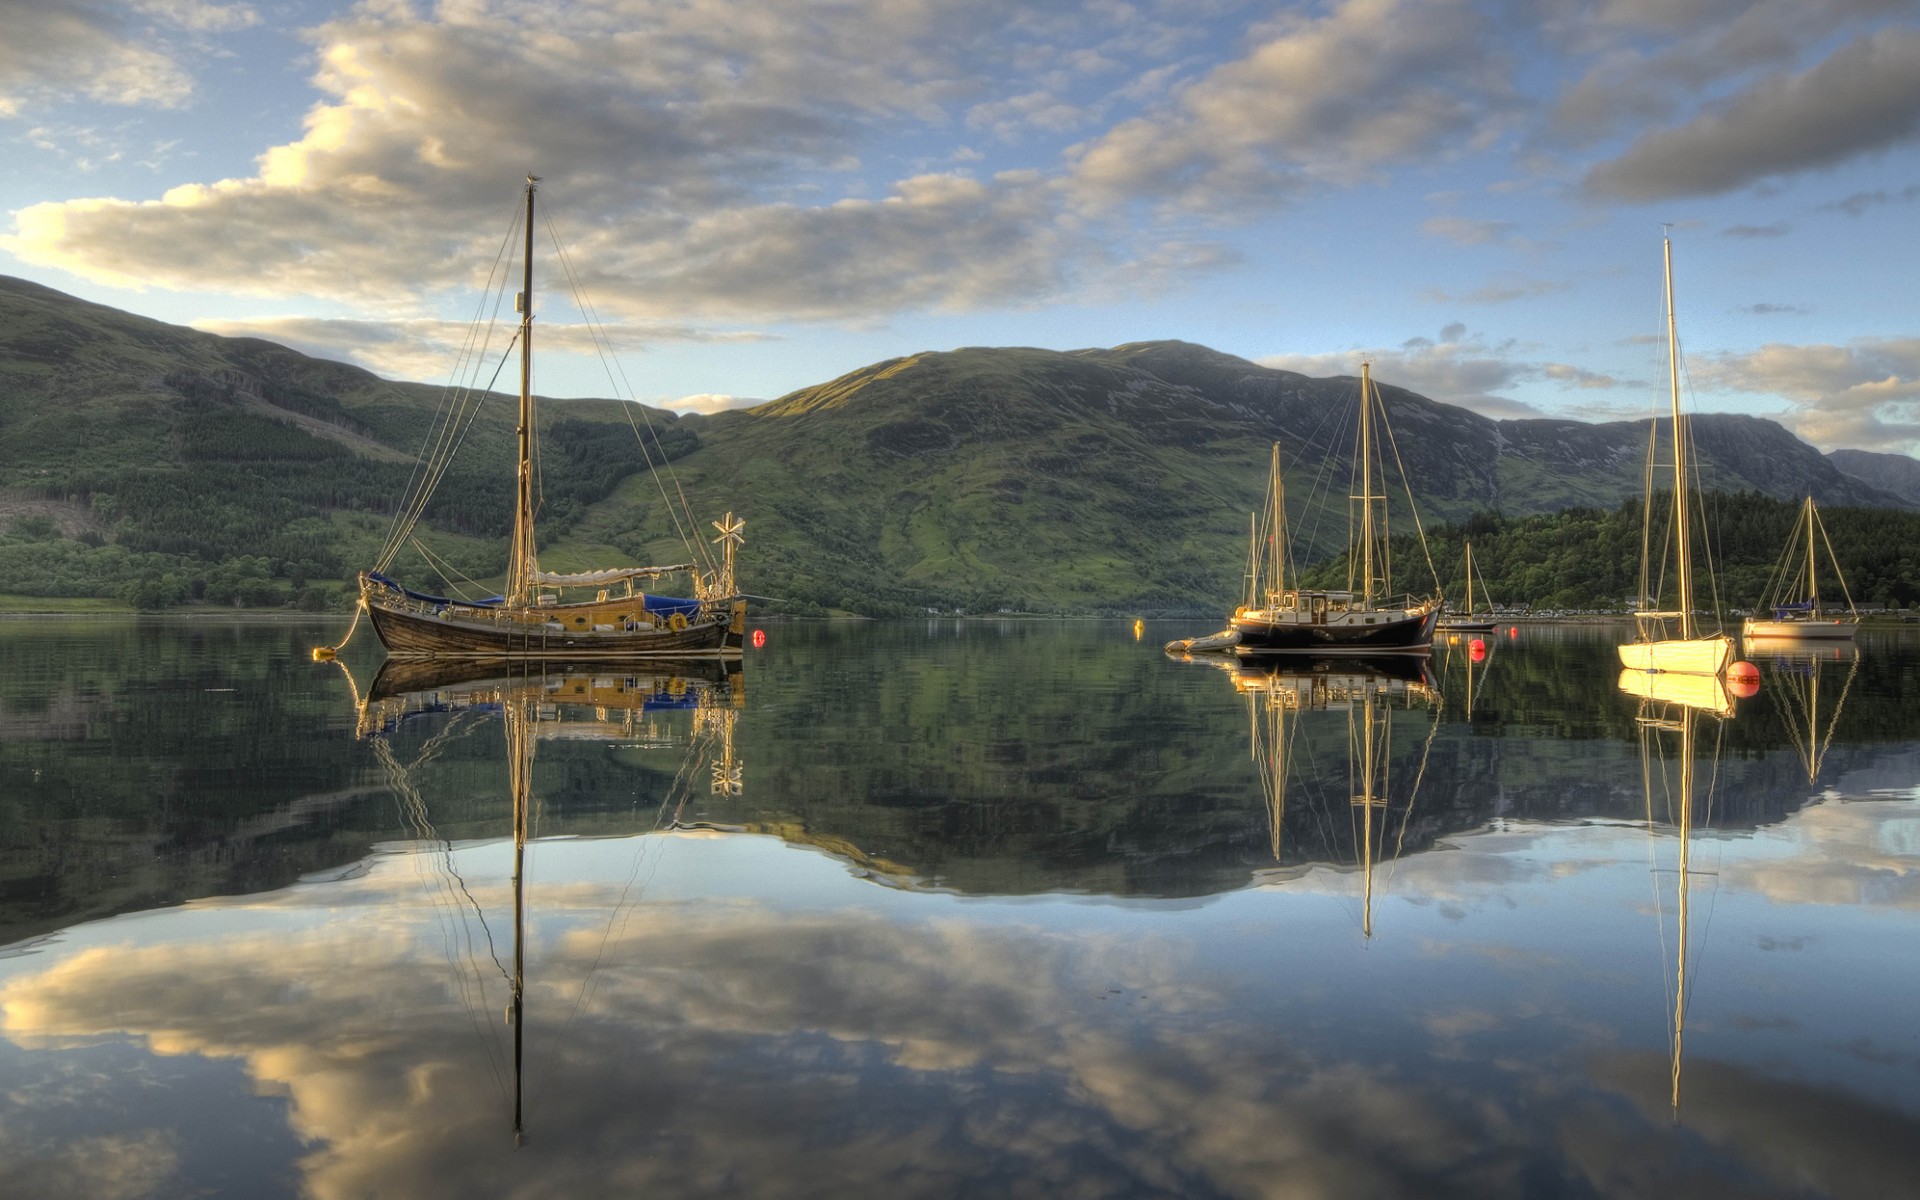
(1083, 969)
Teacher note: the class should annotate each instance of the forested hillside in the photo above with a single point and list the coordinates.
(157, 466)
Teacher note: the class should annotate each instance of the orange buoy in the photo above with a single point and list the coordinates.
(1513, 631)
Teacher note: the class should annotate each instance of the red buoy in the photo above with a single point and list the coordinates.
(1744, 688)
(759, 638)
(1744, 670)
(1476, 650)
(1513, 631)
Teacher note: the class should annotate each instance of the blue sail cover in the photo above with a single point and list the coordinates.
(668, 605)
(1784, 611)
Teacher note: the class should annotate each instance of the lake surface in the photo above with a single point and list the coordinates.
(951, 908)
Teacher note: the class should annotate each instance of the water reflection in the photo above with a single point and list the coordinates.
(612, 701)
(1283, 694)
(715, 998)
(1671, 710)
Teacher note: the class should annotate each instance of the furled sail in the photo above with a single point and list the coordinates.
(610, 575)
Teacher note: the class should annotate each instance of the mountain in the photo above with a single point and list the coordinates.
(1898, 474)
(984, 478)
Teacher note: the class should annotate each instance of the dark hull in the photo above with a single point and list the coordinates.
(1414, 635)
(1467, 626)
(407, 633)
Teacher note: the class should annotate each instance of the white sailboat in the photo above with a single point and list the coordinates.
(1798, 616)
(1670, 640)
(1467, 620)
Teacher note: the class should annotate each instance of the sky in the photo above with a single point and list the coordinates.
(756, 198)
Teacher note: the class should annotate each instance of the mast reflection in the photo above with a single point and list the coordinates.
(616, 702)
(1672, 709)
(1285, 696)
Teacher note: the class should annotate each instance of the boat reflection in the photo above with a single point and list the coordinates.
(1795, 672)
(1672, 710)
(619, 702)
(1284, 695)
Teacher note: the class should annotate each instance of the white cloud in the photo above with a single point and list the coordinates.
(1863, 98)
(1458, 369)
(1865, 395)
(55, 49)
(704, 161)
(1320, 99)
(711, 403)
(423, 349)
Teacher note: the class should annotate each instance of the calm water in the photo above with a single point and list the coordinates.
(951, 909)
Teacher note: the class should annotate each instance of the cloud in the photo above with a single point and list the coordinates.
(1322, 99)
(1465, 231)
(699, 167)
(1863, 98)
(1503, 291)
(113, 54)
(1650, 60)
(711, 403)
(1860, 203)
(1755, 231)
(1765, 309)
(422, 348)
(1864, 395)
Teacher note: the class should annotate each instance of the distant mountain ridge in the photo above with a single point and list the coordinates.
(1088, 480)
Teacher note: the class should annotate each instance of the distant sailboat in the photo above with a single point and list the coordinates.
(1275, 618)
(1796, 609)
(1468, 620)
(1670, 640)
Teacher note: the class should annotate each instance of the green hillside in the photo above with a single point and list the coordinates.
(158, 465)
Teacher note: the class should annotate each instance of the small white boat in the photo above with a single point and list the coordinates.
(1796, 609)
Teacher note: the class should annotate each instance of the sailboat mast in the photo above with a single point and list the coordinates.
(1366, 485)
(1679, 459)
(1276, 581)
(1813, 588)
(520, 565)
(1686, 837)
(1469, 546)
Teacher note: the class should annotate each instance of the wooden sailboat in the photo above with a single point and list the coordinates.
(1670, 640)
(1798, 616)
(533, 618)
(1364, 620)
(1468, 620)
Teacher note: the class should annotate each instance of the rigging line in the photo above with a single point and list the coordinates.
(445, 462)
(689, 530)
(446, 570)
(1834, 558)
(1412, 508)
(453, 393)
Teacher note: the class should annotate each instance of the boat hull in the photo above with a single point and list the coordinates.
(1801, 631)
(1411, 633)
(1692, 656)
(1466, 626)
(407, 632)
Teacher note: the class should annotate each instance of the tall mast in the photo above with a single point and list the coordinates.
(1813, 589)
(1469, 582)
(1276, 530)
(1679, 459)
(1366, 485)
(520, 558)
